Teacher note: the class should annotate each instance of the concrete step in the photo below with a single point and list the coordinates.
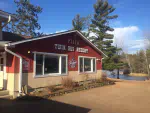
(6, 97)
(4, 92)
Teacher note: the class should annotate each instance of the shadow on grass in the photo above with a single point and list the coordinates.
(32, 104)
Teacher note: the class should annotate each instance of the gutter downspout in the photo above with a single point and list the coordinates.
(20, 70)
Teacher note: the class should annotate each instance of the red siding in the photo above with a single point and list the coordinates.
(47, 45)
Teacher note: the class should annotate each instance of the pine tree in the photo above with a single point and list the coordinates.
(100, 27)
(26, 22)
(102, 39)
(78, 23)
(81, 23)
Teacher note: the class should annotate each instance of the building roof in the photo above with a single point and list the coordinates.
(5, 15)
(11, 37)
(14, 42)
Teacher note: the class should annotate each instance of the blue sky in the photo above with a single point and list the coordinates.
(57, 15)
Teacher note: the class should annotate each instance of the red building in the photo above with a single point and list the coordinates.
(43, 61)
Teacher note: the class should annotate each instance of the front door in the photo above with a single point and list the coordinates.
(1, 72)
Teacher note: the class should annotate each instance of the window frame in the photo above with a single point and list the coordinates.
(83, 65)
(50, 74)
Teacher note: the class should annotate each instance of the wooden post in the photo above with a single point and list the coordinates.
(118, 73)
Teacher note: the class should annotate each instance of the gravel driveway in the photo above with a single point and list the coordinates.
(124, 97)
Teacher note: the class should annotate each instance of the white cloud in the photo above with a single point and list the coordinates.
(127, 38)
(138, 44)
(60, 31)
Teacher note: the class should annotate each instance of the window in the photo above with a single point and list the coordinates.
(49, 64)
(81, 64)
(39, 64)
(63, 65)
(94, 65)
(87, 64)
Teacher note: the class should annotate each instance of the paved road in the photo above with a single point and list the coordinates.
(124, 97)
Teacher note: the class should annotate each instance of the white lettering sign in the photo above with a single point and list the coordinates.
(82, 50)
(70, 48)
(60, 47)
(75, 42)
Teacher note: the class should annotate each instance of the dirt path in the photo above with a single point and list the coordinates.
(124, 97)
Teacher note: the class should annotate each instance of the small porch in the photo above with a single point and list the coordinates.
(6, 82)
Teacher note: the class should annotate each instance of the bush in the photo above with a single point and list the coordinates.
(126, 71)
(50, 88)
(104, 77)
(67, 82)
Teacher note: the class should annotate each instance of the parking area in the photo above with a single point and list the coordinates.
(124, 97)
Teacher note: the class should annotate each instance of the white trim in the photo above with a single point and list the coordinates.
(43, 37)
(60, 62)
(57, 34)
(53, 54)
(4, 16)
(50, 74)
(83, 64)
(95, 66)
(86, 56)
(92, 64)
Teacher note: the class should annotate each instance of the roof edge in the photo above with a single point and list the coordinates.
(91, 43)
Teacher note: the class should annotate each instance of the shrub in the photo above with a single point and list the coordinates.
(104, 77)
(67, 82)
(50, 88)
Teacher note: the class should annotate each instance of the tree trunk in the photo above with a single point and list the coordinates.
(118, 73)
(147, 64)
(127, 58)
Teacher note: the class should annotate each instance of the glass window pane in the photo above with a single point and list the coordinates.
(81, 64)
(39, 64)
(87, 64)
(94, 68)
(51, 64)
(63, 64)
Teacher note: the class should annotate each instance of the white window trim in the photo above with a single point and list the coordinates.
(83, 65)
(50, 74)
